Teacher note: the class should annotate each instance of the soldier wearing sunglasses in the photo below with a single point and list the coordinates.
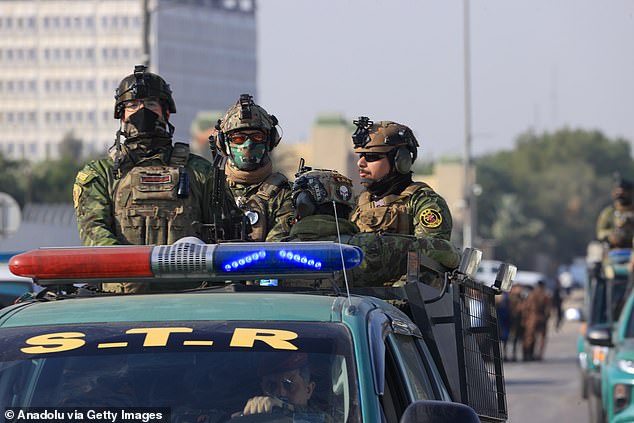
(392, 201)
(247, 134)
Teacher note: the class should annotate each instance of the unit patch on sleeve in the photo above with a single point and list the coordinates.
(430, 218)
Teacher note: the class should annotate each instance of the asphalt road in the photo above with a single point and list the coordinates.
(548, 391)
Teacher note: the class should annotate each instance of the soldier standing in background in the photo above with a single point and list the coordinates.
(201, 129)
(148, 191)
(536, 311)
(247, 134)
(615, 224)
(516, 324)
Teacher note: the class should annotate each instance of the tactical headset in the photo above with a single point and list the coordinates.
(246, 113)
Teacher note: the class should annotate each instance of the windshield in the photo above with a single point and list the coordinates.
(197, 370)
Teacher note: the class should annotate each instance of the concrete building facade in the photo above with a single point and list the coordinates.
(61, 61)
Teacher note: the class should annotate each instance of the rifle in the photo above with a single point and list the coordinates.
(228, 224)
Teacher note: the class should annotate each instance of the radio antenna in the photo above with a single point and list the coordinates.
(343, 267)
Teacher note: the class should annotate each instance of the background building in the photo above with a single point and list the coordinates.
(61, 60)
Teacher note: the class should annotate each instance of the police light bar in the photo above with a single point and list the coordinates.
(186, 261)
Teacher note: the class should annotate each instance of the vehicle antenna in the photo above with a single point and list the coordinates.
(345, 274)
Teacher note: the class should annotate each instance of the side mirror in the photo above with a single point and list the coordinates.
(470, 261)
(504, 278)
(428, 411)
(599, 335)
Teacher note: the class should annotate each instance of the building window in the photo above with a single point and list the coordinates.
(104, 22)
(89, 22)
(55, 22)
(32, 85)
(68, 117)
(91, 116)
(79, 117)
(47, 117)
(104, 53)
(33, 148)
(77, 22)
(89, 53)
(30, 22)
(90, 85)
(32, 117)
(10, 148)
(9, 23)
(105, 115)
(46, 22)
(68, 85)
(10, 86)
(67, 23)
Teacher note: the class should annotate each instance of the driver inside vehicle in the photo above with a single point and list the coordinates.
(286, 383)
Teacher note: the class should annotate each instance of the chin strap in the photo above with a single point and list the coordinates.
(117, 155)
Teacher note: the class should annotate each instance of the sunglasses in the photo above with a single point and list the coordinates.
(241, 138)
(372, 157)
(270, 387)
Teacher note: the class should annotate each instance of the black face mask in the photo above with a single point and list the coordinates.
(144, 122)
(624, 201)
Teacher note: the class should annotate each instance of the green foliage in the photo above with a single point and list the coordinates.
(13, 178)
(544, 196)
(50, 181)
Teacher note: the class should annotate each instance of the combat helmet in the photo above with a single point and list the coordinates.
(391, 138)
(143, 84)
(314, 190)
(245, 114)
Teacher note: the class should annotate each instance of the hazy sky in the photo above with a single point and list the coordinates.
(540, 64)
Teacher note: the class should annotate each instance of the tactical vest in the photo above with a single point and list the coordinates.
(256, 206)
(146, 206)
(389, 214)
(624, 227)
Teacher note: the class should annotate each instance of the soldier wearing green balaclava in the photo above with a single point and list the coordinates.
(247, 134)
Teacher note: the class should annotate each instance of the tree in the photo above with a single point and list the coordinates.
(544, 196)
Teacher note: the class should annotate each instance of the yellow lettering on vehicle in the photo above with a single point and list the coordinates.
(54, 342)
(157, 337)
(276, 338)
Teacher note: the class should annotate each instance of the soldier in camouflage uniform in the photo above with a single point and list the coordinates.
(201, 129)
(247, 134)
(615, 224)
(319, 195)
(147, 191)
(392, 202)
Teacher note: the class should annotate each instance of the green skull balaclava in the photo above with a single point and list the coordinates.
(248, 155)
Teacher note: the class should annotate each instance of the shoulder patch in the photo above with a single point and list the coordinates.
(430, 218)
(77, 191)
(83, 177)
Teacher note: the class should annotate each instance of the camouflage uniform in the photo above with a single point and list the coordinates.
(201, 129)
(264, 195)
(385, 255)
(615, 224)
(148, 191)
(139, 213)
(395, 204)
(536, 311)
